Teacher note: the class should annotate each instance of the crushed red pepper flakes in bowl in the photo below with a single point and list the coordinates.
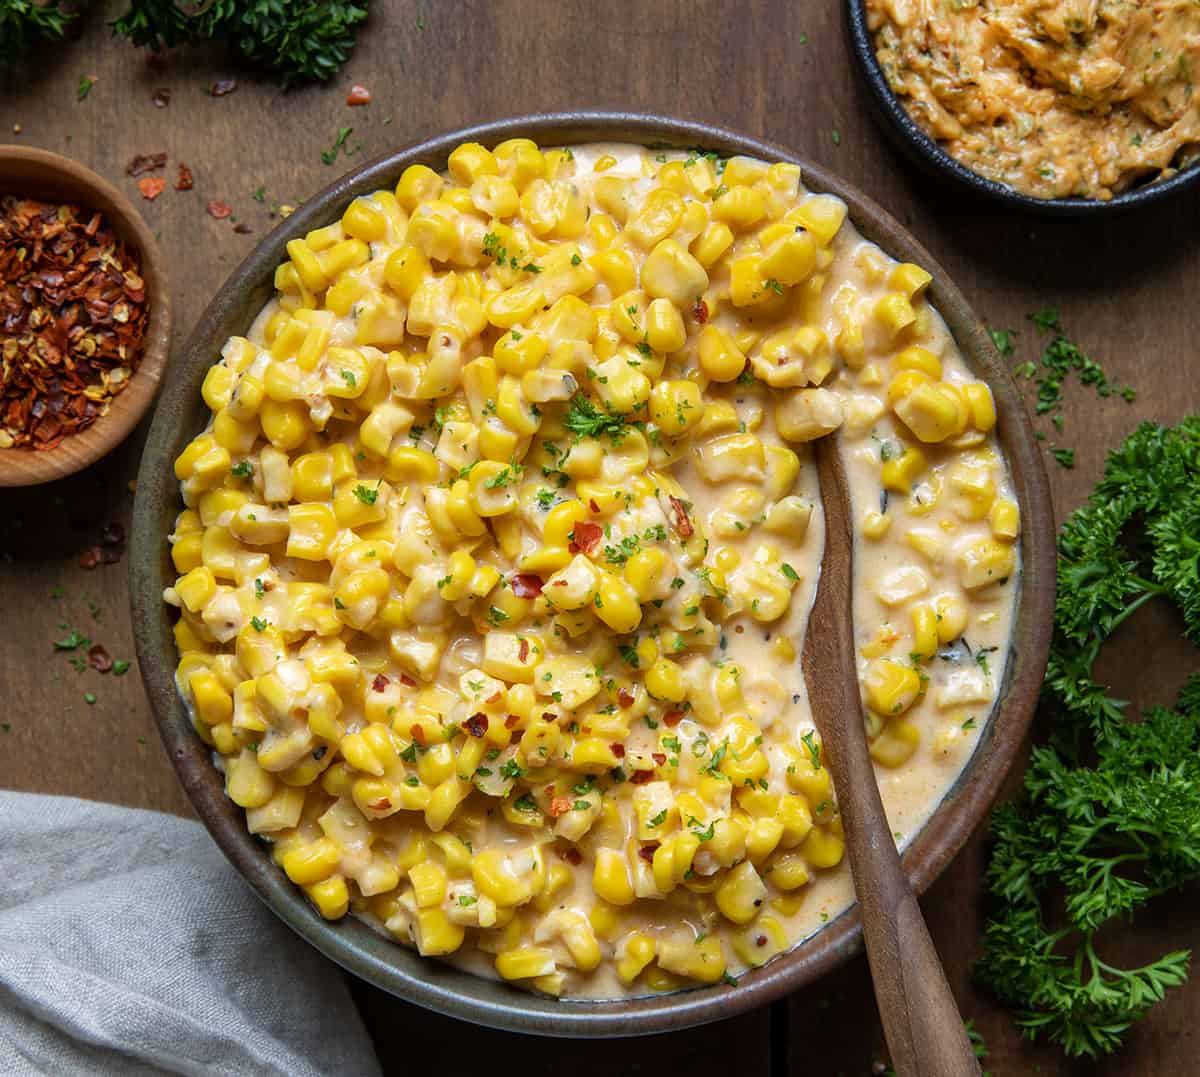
(74, 311)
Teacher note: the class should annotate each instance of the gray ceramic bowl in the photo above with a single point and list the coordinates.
(912, 140)
(181, 414)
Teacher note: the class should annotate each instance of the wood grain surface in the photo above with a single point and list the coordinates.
(1126, 289)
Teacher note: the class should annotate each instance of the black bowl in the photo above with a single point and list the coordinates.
(914, 143)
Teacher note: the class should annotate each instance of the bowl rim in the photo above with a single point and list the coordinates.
(926, 151)
(438, 986)
(72, 181)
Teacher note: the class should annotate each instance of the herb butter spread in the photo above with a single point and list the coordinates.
(1079, 98)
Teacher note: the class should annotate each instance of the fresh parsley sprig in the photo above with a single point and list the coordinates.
(1110, 816)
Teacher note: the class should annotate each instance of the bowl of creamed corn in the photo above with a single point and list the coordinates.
(474, 547)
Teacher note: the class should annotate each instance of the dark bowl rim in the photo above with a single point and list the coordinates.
(926, 152)
(435, 985)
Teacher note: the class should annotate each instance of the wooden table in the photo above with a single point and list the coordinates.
(1127, 291)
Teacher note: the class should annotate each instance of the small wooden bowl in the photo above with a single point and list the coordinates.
(51, 177)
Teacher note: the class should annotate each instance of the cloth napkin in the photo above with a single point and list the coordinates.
(128, 945)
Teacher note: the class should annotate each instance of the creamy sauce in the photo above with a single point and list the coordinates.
(732, 618)
(1056, 99)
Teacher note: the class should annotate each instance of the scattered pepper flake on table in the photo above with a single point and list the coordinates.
(219, 210)
(358, 95)
(145, 162)
(151, 187)
(186, 181)
(73, 306)
(99, 658)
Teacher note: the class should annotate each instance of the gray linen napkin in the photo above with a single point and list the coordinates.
(128, 945)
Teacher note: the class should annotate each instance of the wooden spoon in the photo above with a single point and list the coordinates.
(925, 1033)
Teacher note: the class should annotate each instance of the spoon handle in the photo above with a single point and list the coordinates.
(925, 1033)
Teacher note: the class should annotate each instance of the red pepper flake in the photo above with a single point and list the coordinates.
(658, 757)
(526, 585)
(145, 162)
(700, 311)
(222, 87)
(549, 716)
(90, 558)
(382, 804)
(683, 523)
(477, 724)
(161, 97)
(587, 535)
(495, 697)
(641, 777)
(511, 721)
(522, 650)
(186, 181)
(760, 940)
(560, 806)
(417, 734)
(672, 718)
(99, 658)
(593, 506)
(572, 856)
(242, 228)
(625, 698)
(618, 750)
(73, 317)
(151, 187)
(380, 683)
(358, 95)
(407, 681)
(647, 851)
(219, 210)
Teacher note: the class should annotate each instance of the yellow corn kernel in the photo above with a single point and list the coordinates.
(664, 681)
(644, 571)
(616, 604)
(676, 406)
(930, 412)
(331, 897)
(741, 894)
(739, 207)
(285, 425)
(311, 862)
(311, 529)
(890, 688)
(1005, 518)
(525, 963)
(985, 562)
(616, 269)
(436, 934)
(910, 279)
(610, 878)
(894, 313)
(212, 702)
(308, 269)
(659, 216)
(418, 184)
(196, 588)
(720, 358)
(520, 160)
(698, 959)
(981, 405)
(406, 268)
(669, 272)
(665, 331)
(636, 953)
(925, 630)
(790, 259)
(429, 883)
(896, 744)
(899, 472)
(468, 161)
(920, 359)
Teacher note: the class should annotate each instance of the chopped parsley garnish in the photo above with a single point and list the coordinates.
(511, 769)
(585, 420)
(120, 667)
(349, 378)
(629, 656)
(259, 624)
(243, 469)
(814, 749)
(506, 476)
(365, 494)
(496, 616)
(545, 499)
(789, 572)
(659, 819)
(1002, 338)
(525, 803)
